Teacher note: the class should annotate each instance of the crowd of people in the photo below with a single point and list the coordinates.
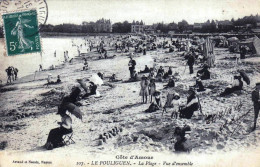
(12, 73)
(149, 78)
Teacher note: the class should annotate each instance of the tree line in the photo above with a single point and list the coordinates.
(180, 27)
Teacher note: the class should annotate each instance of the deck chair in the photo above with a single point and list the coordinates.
(68, 139)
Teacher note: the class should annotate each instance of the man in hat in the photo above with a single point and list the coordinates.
(256, 101)
(190, 62)
(131, 65)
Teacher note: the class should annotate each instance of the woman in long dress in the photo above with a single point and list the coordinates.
(18, 29)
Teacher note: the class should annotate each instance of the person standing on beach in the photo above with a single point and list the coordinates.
(9, 74)
(131, 65)
(256, 101)
(40, 67)
(144, 89)
(190, 62)
(15, 73)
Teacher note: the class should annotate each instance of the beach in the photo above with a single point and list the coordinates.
(28, 108)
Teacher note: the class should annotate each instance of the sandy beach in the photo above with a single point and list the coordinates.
(28, 108)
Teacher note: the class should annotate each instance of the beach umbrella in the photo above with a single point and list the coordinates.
(96, 79)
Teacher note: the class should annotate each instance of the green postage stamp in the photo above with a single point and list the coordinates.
(21, 32)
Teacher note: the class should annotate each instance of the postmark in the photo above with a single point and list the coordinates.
(9, 6)
(21, 32)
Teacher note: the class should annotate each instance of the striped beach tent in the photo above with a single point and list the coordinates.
(208, 51)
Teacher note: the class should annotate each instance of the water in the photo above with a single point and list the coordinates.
(29, 63)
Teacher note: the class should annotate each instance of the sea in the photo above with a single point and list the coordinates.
(53, 49)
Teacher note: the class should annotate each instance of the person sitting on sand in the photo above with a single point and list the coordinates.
(191, 106)
(236, 85)
(131, 64)
(134, 77)
(101, 75)
(170, 84)
(144, 89)
(92, 90)
(182, 144)
(157, 97)
(58, 79)
(54, 139)
(50, 82)
(85, 67)
(199, 85)
(152, 108)
(68, 104)
(171, 49)
(160, 72)
(146, 70)
(167, 74)
(204, 73)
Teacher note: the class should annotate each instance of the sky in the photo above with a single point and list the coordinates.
(150, 11)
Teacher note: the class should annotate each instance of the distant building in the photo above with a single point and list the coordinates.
(137, 27)
(149, 29)
(101, 25)
(226, 24)
(197, 26)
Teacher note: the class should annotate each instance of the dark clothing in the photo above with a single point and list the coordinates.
(228, 91)
(132, 64)
(146, 70)
(200, 86)
(255, 98)
(152, 108)
(243, 53)
(188, 111)
(170, 84)
(204, 74)
(191, 69)
(9, 71)
(93, 90)
(183, 145)
(55, 135)
(190, 62)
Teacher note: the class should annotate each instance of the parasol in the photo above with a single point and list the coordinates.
(96, 79)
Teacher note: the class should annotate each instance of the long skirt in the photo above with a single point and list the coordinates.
(187, 112)
(55, 135)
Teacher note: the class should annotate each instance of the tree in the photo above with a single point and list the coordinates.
(183, 25)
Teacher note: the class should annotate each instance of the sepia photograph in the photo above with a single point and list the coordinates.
(129, 83)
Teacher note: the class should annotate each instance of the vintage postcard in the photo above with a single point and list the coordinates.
(154, 83)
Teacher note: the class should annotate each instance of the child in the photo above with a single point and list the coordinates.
(176, 105)
(144, 88)
(152, 88)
